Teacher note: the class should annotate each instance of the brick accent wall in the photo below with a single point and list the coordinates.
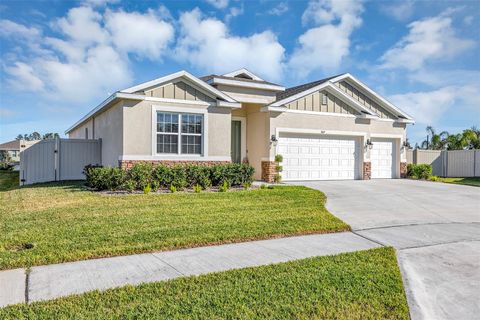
(367, 170)
(403, 170)
(127, 164)
(268, 171)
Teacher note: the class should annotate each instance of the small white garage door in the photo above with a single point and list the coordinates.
(311, 157)
(382, 156)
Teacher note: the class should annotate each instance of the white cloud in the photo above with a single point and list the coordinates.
(144, 34)
(278, 10)
(324, 47)
(206, 44)
(427, 107)
(90, 57)
(9, 29)
(219, 4)
(23, 77)
(428, 39)
(234, 12)
(399, 10)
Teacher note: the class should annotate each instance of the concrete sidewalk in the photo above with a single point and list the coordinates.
(53, 281)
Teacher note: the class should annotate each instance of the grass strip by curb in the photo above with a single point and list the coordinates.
(359, 285)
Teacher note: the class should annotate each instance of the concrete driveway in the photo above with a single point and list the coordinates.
(435, 228)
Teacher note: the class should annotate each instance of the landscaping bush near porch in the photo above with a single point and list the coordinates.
(419, 171)
(144, 175)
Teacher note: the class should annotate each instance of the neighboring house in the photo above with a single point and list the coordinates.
(335, 128)
(14, 148)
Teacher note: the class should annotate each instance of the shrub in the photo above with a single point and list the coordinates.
(419, 171)
(278, 168)
(104, 178)
(130, 185)
(5, 166)
(197, 188)
(147, 189)
(173, 189)
(247, 186)
(433, 178)
(235, 174)
(141, 175)
(263, 186)
(199, 175)
(277, 178)
(224, 187)
(278, 158)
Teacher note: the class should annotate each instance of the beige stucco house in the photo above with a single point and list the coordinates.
(334, 128)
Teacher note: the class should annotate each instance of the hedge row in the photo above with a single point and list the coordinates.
(419, 171)
(144, 175)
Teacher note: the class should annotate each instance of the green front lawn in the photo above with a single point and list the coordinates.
(361, 285)
(65, 222)
(465, 181)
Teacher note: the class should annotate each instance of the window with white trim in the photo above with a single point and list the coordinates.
(179, 133)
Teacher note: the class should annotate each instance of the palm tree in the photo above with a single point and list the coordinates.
(437, 141)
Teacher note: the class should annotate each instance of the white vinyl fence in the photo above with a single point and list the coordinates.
(454, 163)
(58, 159)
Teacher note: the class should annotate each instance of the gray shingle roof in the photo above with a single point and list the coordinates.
(297, 89)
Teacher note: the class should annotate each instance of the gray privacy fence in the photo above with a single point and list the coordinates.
(454, 163)
(58, 159)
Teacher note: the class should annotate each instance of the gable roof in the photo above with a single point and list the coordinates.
(294, 93)
(181, 74)
(243, 72)
(214, 79)
(297, 89)
(10, 145)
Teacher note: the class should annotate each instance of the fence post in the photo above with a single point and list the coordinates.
(56, 159)
(474, 162)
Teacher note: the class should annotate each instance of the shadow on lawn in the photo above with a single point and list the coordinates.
(9, 180)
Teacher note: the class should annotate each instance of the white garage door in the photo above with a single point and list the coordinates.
(382, 158)
(310, 157)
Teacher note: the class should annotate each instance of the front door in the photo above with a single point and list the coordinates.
(236, 141)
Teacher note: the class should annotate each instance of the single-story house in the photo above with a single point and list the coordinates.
(14, 147)
(334, 128)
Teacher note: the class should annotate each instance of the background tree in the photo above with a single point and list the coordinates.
(434, 141)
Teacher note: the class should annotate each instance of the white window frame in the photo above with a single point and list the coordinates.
(194, 109)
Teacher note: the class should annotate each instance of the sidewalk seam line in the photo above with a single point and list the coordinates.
(168, 264)
(415, 224)
(440, 244)
(27, 280)
(369, 239)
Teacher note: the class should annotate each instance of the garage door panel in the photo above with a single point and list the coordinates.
(382, 158)
(319, 157)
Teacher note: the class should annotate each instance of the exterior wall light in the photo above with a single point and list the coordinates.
(369, 144)
(273, 138)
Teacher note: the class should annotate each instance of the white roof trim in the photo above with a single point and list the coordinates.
(91, 113)
(388, 105)
(245, 71)
(140, 97)
(176, 75)
(246, 84)
(326, 85)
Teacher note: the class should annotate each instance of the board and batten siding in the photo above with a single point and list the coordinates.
(313, 102)
(364, 100)
(179, 90)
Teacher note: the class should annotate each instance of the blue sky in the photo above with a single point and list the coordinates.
(59, 59)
